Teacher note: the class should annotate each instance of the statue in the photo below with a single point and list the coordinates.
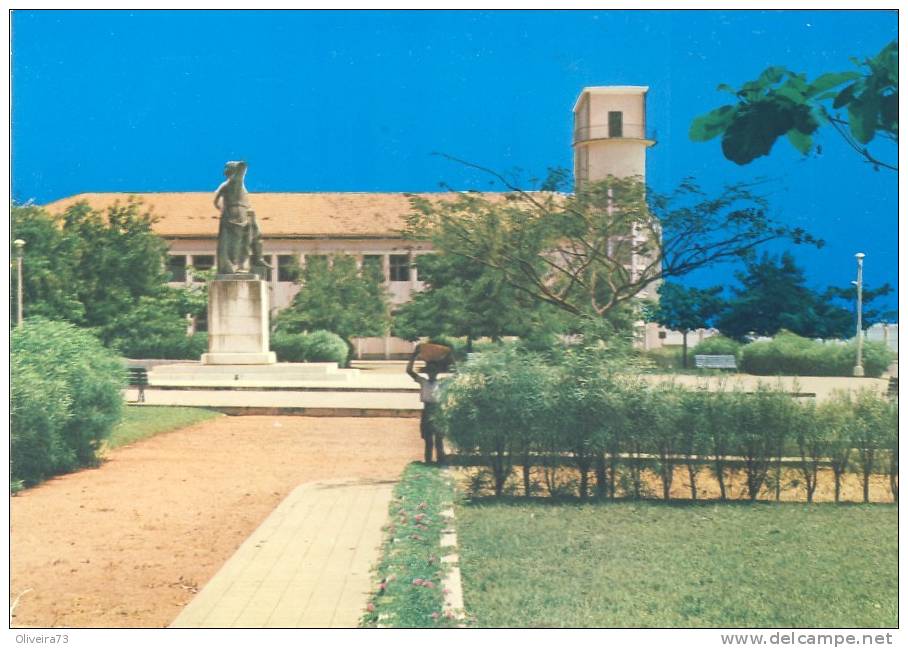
(239, 238)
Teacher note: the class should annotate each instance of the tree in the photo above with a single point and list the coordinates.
(338, 297)
(594, 251)
(686, 309)
(467, 299)
(104, 271)
(773, 296)
(784, 103)
(49, 277)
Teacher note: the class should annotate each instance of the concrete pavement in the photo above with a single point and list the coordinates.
(307, 565)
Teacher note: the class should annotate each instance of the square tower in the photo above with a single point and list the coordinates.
(610, 134)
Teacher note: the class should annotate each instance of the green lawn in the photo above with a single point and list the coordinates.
(141, 422)
(654, 565)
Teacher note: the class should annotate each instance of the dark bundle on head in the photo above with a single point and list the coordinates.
(438, 366)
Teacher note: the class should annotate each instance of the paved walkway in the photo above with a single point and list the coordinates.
(307, 566)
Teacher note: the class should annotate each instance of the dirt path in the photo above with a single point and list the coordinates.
(128, 544)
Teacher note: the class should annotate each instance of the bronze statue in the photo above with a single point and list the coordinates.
(239, 238)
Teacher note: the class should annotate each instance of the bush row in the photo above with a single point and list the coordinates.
(169, 347)
(317, 346)
(790, 354)
(65, 399)
(512, 409)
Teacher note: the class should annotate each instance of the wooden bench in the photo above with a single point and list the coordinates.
(715, 362)
(893, 390)
(138, 377)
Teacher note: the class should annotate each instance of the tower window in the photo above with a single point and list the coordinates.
(615, 124)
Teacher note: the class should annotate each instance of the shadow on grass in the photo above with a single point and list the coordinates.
(568, 500)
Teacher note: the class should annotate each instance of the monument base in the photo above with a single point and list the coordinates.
(239, 358)
(238, 323)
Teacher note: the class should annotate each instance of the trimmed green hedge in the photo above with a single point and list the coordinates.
(513, 410)
(317, 346)
(790, 354)
(177, 347)
(717, 345)
(65, 399)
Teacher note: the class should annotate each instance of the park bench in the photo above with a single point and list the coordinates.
(138, 377)
(893, 390)
(715, 362)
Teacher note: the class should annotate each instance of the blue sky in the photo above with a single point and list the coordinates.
(359, 101)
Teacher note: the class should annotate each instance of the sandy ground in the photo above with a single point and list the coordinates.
(130, 543)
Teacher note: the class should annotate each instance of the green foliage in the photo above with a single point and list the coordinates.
(338, 297)
(464, 298)
(409, 593)
(105, 271)
(317, 346)
(784, 103)
(871, 432)
(685, 309)
(790, 354)
(507, 408)
(573, 250)
(494, 406)
(49, 283)
(773, 295)
(717, 345)
(118, 259)
(156, 326)
(66, 398)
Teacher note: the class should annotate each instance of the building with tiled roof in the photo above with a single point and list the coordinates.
(610, 138)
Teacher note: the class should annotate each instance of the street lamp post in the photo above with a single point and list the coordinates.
(859, 365)
(20, 245)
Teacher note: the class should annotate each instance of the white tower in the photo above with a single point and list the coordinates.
(610, 135)
(611, 138)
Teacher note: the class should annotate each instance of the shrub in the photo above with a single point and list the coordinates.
(317, 346)
(835, 418)
(665, 358)
(717, 345)
(791, 354)
(495, 407)
(66, 398)
(870, 432)
(167, 347)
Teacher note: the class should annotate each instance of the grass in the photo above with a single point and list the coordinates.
(141, 422)
(648, 564)
(408, 591)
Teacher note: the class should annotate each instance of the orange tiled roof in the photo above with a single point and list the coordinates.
(193, 215)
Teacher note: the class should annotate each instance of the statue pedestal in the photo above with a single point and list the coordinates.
(238, 322)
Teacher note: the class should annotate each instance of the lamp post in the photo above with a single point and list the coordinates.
(20, 245)
(859, 365)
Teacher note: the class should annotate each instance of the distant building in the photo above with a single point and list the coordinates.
(610, 138)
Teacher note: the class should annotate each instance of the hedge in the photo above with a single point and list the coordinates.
(175, 347)
(717, 345)
(65, 399)
(790, 354)
(317, 346)
(515, 410)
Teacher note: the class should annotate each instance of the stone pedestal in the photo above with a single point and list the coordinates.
(238, 322)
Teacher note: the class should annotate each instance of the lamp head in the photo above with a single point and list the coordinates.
(19, 243)
(859, 256)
